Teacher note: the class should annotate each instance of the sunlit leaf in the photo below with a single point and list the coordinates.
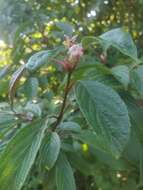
(121, 40)
(40, 59)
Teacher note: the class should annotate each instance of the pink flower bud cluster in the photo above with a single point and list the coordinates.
(75, 52)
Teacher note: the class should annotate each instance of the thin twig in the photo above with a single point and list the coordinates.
(67, 89)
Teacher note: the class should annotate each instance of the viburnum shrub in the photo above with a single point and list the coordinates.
(75, 117)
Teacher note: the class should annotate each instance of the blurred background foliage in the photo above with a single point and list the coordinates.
(27, 26)
(35, 23)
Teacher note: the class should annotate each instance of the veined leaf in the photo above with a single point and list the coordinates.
(137, 79)
(121, 73)
(117, 38)
(87, 40)
(39, 59)
(81, 164)
(50, 150)
(64, 174)
(6, 122)
(136, 117)
(14, 82)
(121, 40)
(91, 138)
(33, 108)
(31, 87)
(65, 27)
(85, 70)
(6, 119)
(19, 156)
(133, 144)
(105, 112)
(70, 126)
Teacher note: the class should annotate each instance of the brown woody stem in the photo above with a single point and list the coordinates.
(67, 89)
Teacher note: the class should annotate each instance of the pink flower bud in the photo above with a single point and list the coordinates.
(75, 52)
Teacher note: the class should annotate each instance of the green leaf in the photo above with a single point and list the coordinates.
(88, 40)
(91, 138)
(107, 159)
(7, 122)
(51, 183)
(105, 112)
(6, 119)
(81, 164)
(19, 156)
(134, 144)
(64, 174)
(4, 71)
(50, 150)
(141, 167)
(87, 69)
(33, 108)
(40, 59)
(31, 87)
(4, 86)
(137, 79)
(135, 112)
(65, 27)
(70, 126)
(121, 73)
(14, 82)
(121, 40)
